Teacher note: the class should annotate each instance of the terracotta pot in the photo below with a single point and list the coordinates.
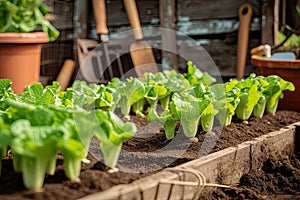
(288, 70)
(20, 55)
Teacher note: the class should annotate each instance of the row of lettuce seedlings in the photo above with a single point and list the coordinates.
(42, 121)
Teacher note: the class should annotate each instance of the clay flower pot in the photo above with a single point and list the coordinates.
(20, 55)
(289, 70)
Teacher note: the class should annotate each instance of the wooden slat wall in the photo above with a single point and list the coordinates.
(214, 22)
(193, 9)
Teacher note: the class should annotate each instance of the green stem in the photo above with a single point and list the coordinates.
(51, 166)
(110, 153)
(207, 122)
(33, 171)
(72, 167)
(8, 24)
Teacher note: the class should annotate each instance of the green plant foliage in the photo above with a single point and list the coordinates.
(112, 131)
(25, 16)
(42, 121)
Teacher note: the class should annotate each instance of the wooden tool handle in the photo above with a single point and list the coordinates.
(258, 50)
(133, 17)
(65, 74)
(100, 16)
(245, 14)
(50, 17)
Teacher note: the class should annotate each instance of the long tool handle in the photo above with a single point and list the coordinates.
(245, 14)
(100, 17)
(65, 74)
(133, 17)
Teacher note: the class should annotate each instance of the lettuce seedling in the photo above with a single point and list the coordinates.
(91, 96)
(43, 113)
(35, 149)
(5, 137)
(5, 92)
(207, 117)
(138, 107)
(167, 119)
(165, 84)
(189, 110)
(80, 94)
(196, 76)
(37, 115)
(259, 108)
(156, 93)
(186, 108)
(133, 92)
(203, 92)
(105, 99)
(83, 131)
(114, 87)
(274, 91)
(157, 90)
(249, 97)
(112, 131)
(36, 94)
(227, 109)
(73, 149)
(176, 83)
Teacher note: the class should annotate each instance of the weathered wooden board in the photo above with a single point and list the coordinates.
(116, 15)
(201, 9)
(194, 10)
(167, 13)
(213, 26)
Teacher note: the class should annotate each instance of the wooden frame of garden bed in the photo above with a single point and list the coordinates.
(223, 167)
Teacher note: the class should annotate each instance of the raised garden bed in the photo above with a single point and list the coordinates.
(51, 134)
(144, 156)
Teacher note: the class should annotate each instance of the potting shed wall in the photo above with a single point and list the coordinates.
(213, 24)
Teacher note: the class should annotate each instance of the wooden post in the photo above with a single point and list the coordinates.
(167, 13)
(276, 20)
(81, 19)
(267, 22)
(283, 11)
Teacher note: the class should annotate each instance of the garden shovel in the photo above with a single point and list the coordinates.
(141, 52)
(99, 9)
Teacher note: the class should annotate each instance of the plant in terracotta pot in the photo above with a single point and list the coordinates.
(286, 65)
(23, 30)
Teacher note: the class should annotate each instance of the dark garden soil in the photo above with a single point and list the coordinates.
(149, 152)
(276, 180)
